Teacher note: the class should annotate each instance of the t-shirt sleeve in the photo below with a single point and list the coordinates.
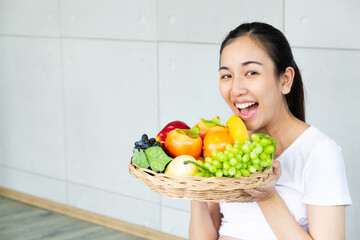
(324, 176)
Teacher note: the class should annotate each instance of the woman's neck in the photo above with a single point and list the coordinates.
(285, 130)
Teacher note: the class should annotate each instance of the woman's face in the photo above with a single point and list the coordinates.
(249, 85)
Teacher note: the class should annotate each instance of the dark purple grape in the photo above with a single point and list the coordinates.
(145, 142)
(152, 141)
(144, 137)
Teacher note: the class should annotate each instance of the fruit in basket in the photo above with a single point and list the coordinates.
(242, 159)
(216, 141)
(177, 167)
(206, 126)
(237, 129)
(161, 137)
(184, 142)
(157, 158)
(200, 159)
(145, 143)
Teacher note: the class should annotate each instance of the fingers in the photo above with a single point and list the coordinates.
(276, 168)
(254, 194)
(266, 190)
(276, 164)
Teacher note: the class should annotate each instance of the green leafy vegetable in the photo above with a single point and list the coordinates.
(157, 158)
(139, 159)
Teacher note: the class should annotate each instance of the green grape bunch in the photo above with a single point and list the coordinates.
(240, 160)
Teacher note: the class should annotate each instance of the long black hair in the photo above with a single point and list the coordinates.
(278, 48)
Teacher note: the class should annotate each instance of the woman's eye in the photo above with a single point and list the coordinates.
(250, 73)
(225, 76)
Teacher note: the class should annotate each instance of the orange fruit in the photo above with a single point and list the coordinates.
(205, 129)
(216, 141)
(177, 144)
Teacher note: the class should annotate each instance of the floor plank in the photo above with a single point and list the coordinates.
(19, 221)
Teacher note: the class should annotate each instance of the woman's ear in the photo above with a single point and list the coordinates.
(287, 80)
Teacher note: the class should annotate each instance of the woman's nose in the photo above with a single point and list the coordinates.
(238, 87)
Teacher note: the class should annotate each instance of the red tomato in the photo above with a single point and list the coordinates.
(177, 144)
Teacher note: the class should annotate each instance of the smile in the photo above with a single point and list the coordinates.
(247, 109)
(244, 105)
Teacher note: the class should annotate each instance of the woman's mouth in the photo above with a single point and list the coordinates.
(247, 110)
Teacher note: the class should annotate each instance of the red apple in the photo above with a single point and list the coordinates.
(161, 137)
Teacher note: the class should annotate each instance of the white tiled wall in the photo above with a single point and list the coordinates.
(104, 81)
(32, 18)
(175, 221)
(208, 21)
(34, 184)
(188, 76)
(323, 23)
(32, 125)
(113, 19)
(81, 81)
(130, 209)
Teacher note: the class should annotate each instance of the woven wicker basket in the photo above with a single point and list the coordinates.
(199, 188)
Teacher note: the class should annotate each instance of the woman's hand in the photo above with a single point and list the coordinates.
(266, 191)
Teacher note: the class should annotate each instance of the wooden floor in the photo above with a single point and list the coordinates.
(19, 221)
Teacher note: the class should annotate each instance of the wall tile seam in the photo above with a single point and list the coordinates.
(325, 48)
(87, 186)
(66, 181)
(2, 165)
(190, 42)
(168, 42)
(158, 88)
(283, 16)
(107, 39)
(62, 71)
(76, 38)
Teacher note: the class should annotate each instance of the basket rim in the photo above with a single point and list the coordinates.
(268, 172)
(212, 189)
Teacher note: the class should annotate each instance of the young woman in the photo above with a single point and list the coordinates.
(307, 194)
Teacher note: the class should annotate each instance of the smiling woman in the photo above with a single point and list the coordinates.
(248, 83)
(261, 83)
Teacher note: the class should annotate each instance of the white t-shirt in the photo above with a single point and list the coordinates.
(313, 173)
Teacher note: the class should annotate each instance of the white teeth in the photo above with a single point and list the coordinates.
(244, 105)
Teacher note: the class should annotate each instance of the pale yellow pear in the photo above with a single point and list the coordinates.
(177, 167)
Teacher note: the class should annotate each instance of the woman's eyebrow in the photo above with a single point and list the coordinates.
(223, 68)
(243, 64)
(251, 62)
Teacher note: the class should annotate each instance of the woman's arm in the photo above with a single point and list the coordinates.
(325, 222)
(280, 219)
(205, 221)
(275, 210)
